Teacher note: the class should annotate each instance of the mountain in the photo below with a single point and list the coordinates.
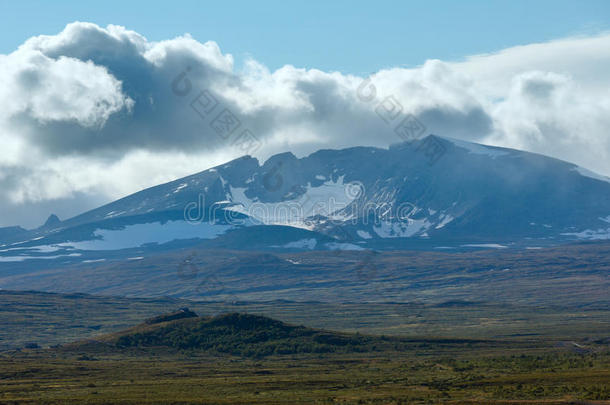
(52, 222)
(432, 193)
(10, 233)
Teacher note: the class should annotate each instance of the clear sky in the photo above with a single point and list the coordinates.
(349, 36)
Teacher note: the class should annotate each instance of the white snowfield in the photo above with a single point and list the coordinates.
(364, 234)
(485, 245)
(138, 235)
(302, 244)
(325, 200)
(403, 229)
(445, 219)
(591, 234)
(25, 257)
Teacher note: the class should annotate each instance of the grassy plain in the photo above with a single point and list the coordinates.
(421, 375)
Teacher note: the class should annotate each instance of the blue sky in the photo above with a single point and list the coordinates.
(349, 36)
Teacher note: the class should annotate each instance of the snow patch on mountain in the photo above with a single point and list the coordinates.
(485, 245)
(302, 244)
(404, 229)
(180, 187)
(342, 246)
(445, 219)
(326, 200)
(23, 258)
(590, 234)
(36, 249)
(364, 234)
(141, 234)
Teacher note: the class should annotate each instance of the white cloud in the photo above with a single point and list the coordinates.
(584, 58)
(90, 113)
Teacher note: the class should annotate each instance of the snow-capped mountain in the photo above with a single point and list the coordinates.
(433, 193)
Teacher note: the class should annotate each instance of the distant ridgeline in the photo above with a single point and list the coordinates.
(179, 314)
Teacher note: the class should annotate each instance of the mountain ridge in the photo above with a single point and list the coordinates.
(354, 198)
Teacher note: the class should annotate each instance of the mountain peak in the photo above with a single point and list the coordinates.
(280, 158)
(52, 221)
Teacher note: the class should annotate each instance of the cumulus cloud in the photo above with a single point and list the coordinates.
(91, 114)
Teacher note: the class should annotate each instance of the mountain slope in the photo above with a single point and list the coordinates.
(468, 195)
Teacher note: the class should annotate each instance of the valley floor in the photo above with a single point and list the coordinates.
(423, 376)
(526, 355)
(49, 319)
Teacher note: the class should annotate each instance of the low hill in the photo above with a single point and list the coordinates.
(51, 319)
(237, 334)
(249, 336)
